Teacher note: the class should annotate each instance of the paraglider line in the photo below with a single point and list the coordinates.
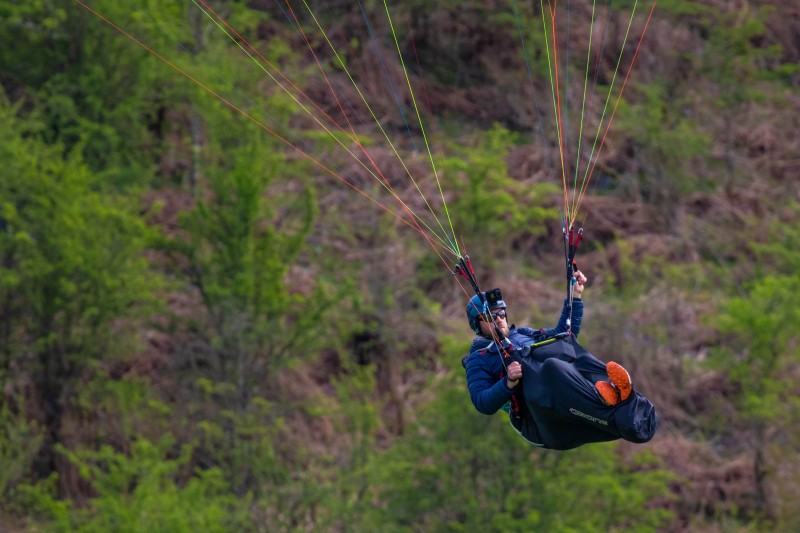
(619, 97)
(262, 126)
(353, 137)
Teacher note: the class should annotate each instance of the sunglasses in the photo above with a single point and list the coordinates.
(501, 313)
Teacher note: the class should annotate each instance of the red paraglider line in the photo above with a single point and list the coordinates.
(344, 113)
(264, 127)
(613, 112)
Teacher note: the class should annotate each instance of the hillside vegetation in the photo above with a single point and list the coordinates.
(204, 329)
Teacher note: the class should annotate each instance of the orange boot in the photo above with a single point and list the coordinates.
(620, 378)
(608, 392)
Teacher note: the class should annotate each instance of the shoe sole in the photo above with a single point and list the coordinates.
(608, 393)
(620, 378)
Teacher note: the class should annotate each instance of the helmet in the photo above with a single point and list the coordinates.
(477, 305)
(475, 308)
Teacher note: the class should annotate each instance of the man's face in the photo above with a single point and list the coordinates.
(500, 320)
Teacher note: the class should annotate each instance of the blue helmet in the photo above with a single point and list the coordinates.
(477, 305)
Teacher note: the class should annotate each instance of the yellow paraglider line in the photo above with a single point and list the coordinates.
(266, 128)
(421, 126)
(382, 180)
(593, 162)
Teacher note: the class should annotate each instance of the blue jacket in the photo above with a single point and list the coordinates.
(484, 364)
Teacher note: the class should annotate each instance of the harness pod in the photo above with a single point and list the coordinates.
(561, 408)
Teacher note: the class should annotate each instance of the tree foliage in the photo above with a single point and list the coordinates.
(144, 490)
(73, 279)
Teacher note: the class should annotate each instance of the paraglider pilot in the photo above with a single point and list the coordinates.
(557, 394)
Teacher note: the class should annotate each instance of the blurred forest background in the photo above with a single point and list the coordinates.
(203, 330)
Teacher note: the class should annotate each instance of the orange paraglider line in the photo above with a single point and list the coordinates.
(557, 88)
(263, 126)
(352, 129)
(354, 137)
(584, 187)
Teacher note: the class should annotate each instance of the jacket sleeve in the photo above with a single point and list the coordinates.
(487, 391)
(577, 317)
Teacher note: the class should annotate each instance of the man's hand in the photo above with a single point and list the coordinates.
(514, 373)
(580, 282)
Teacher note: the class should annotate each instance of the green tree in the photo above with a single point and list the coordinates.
(759, 357)
(736, 60)
(492, 208)
(240, 248)
(20, 439)
(670, 149)
(150, 489)
(96, 93)
(73, 278)
(105, 96)
(236, 249)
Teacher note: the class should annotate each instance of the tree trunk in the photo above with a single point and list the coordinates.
(50, 389)
(760, 471)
